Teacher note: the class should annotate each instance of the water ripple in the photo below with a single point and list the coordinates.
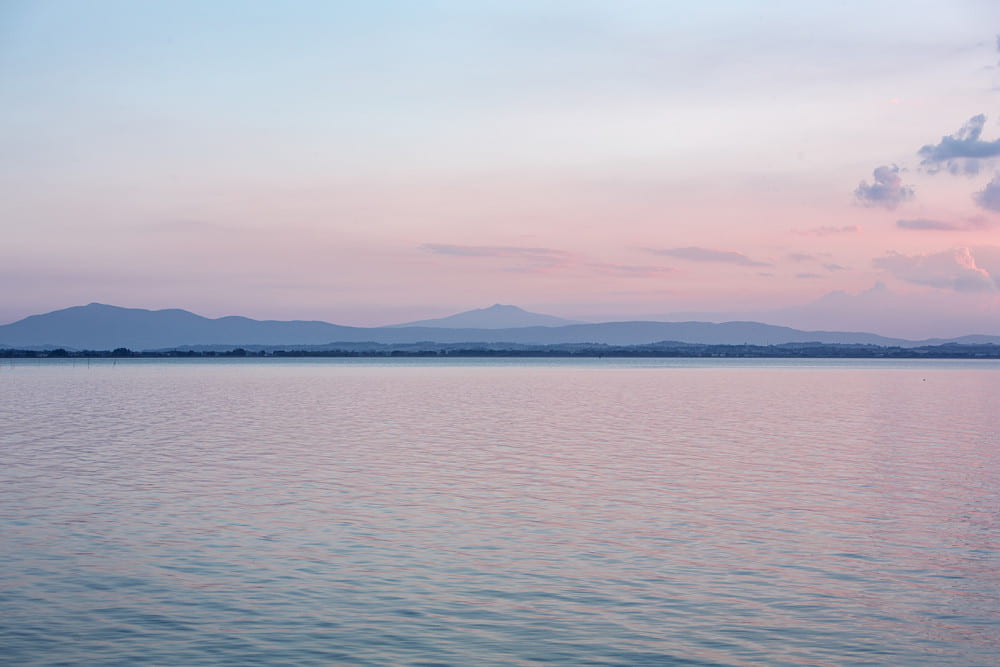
(290, 513)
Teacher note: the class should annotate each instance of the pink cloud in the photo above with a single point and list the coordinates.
(546, 260)
(954, 269)
(829, 230)
(528, 259)
(695, 254)
(630, 271)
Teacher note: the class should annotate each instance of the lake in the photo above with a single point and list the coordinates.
(497, 512)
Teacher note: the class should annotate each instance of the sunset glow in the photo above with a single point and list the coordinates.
(812, 164)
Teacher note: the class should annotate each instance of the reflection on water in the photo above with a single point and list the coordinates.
(467, 513)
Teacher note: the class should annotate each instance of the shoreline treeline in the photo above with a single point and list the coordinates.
(582, 350)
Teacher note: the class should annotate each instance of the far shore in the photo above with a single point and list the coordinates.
(472, 350)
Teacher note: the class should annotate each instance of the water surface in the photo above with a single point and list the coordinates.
(701, 512)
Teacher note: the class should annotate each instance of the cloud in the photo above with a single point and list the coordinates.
(829, 230)
(491, 251)
(530, 259)
(544, 259)
(707, 255)
(980, 222)
(989, 197)
(885, 190)
(954, 269)
(630, 271)
(960, 153)
(808, 275)
(804, 257)
(967, 225)
(923, 224)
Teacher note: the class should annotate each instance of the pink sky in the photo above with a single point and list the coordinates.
(394, 161)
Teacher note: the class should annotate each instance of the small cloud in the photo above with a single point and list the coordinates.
(531, 259)
(804, 257)
(968, 224)
(922, 224)
(980, 222)
(989, 197)
(708, 255)
(630, 271)
(829, 230)
(808, 276)
(543, 260)
(490, 251)
(885, 190)
(961, 153)
(954, 269)
(645, 292)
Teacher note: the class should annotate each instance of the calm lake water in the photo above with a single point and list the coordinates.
(519, 512)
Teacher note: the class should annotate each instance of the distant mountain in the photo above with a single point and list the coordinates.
(98, 326)
(497, 316)
(876, 309)
(726, 333)
(102, 327)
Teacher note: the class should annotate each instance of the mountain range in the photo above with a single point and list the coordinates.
(103, 327)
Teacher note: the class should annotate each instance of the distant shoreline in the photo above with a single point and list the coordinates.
(656, 350)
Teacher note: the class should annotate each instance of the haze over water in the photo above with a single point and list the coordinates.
(478, 512)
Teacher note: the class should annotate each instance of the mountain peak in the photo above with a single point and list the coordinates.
(497, 316)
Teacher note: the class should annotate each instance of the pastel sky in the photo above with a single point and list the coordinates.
(376, 162)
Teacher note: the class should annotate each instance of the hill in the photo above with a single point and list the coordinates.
(497, 316)
(103, 327)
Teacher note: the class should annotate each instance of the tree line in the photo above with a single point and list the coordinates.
(583, 350)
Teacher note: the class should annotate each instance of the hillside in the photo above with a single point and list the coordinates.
(103, 327)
